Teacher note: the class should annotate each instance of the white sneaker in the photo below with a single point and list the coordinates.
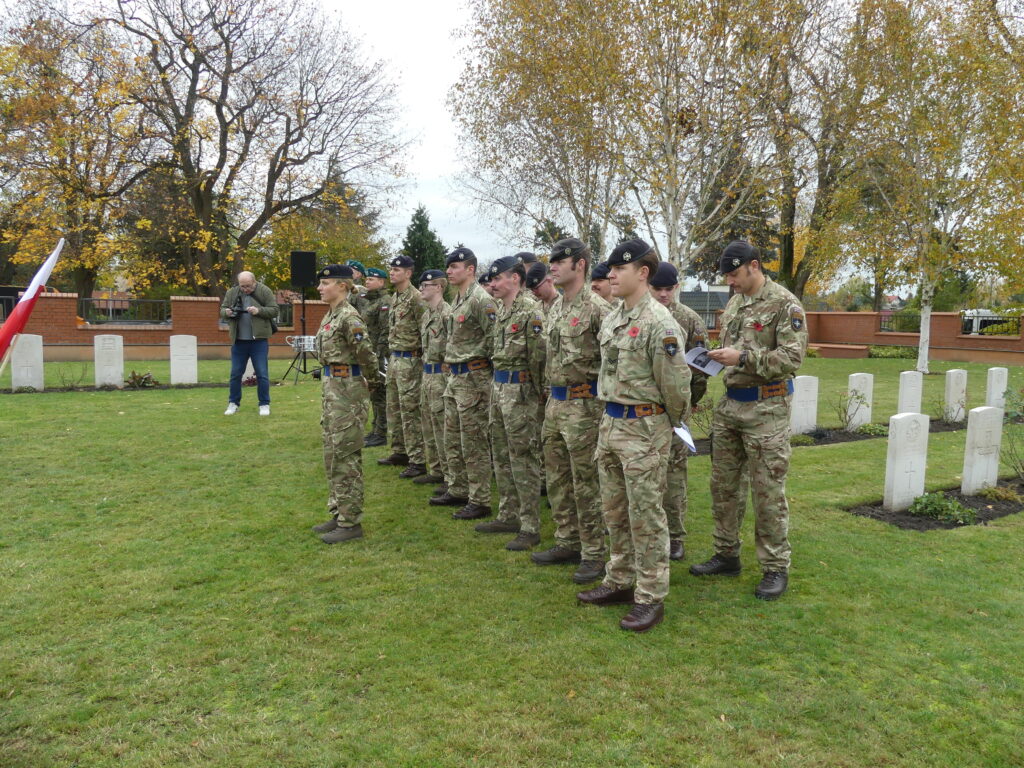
(232, 409)
(264, 410)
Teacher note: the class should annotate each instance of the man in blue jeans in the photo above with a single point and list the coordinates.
(249, 308)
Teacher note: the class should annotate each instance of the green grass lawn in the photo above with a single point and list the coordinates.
(164, 603)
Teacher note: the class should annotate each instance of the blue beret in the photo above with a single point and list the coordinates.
(431, 274)
(356, 265)
(525, 257)
(666, 276)
(600, 272)
(567, 247)
(535, 274)
(627, 252)
(504, 264)
(374, 272)
(737, 252)
(337, 271)
(401, 260)
(459, 254)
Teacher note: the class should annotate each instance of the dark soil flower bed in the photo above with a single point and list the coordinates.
(985, 509)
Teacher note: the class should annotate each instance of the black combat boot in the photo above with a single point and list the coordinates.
(718, 564)
(772, 585)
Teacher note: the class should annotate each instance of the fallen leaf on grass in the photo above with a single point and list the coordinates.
(571, 695)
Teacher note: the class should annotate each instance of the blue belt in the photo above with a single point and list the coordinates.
(752, 394)
(575, 391)
(473, 365)
(511, 377)
(405, 353)
(620, 411)
(432, 367)
(342, 371)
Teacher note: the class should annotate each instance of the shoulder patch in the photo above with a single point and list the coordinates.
(491, 311)
(358, 331)
(671, 345)
(536, 324)
(796, 317)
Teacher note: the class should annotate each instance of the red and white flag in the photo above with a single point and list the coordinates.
(16, 321)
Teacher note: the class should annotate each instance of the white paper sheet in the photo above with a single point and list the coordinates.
(686, 437)
(699, 359)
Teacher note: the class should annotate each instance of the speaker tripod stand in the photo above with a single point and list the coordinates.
(303, 346)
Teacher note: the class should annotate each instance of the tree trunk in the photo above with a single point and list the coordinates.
(927, 298)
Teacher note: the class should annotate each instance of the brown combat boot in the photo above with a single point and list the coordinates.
(643, 616)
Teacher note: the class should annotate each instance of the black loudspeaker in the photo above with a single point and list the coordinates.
(304, 269)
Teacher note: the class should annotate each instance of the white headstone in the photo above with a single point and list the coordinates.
(249, 370)
(995, 392)
(108, 353)
(804, 411)
(27, 362)
(905, 460)
(981, 455)
(184, 360)
(858, 408)
(910, 392)
(955, 408)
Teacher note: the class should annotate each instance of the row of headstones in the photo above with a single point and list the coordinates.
(804, 413)
(108, 354)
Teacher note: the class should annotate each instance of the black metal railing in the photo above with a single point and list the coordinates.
(285, 316)
(909, 322)
(127, 311)
(992, 325)
(6, 306)
(710, 318)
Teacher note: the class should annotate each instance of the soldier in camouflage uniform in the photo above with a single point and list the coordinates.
(645, 383)
(375, 315)
(433, 332)
(665, 289)
(405, 371)
(467, 397)
(599, 283)
(343, 348)
(517, 354)
(572, 416)
(357, 298)
(764, 339)
(541, 286)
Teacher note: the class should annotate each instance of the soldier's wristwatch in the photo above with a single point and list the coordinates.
(743, 359)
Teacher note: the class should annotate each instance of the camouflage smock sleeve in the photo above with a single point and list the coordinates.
(536, 346)
(790, 346)
(668, 364)
(485, 310)
(358, 337)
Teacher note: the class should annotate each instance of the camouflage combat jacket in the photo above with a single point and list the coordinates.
(404, 321)
(342, 340)
(573, 350)
(433, 331)
(696, 336)
(517, 339)
(378, 303)
(770, 327)
(642, 359)
(469, 326)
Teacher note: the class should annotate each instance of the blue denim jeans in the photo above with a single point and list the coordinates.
(241, 353)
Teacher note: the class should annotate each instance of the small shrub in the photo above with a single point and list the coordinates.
(938, 507)
(875, 430)
(141, 380)
(1001, 493)
(812, 352)
(70, 377)
(845, 405)
(250, 382)
(801, 440)
(1009, 328)
(25, 390)
(892, 352)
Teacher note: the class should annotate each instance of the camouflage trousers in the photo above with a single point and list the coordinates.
(379, 401)
(675, 500)
(754, 438)
(569, 436)
(345, 408)
(515, 447)
(432, 412)
(404, 380)
(632, 459)
(467, 437)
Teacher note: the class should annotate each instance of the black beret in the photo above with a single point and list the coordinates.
(504, 264)
(666, 276)
(535, 274)
(570, 246)
(430, 274)
(401, 260)
(525, 257)
(737, 252)
(484, 279)
(600, 272)
(627, 252)
(337, 270)
(459, 254)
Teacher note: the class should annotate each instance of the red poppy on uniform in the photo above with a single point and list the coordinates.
(758, 326)
(462, 318)
(634, 331)
(514, 328)
(574, 322)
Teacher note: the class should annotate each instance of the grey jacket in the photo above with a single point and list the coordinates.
(264, 297)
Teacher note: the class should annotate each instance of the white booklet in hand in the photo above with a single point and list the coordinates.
(684, 435)
(699, 358)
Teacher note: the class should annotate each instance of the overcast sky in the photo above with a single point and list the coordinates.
(416, 40)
